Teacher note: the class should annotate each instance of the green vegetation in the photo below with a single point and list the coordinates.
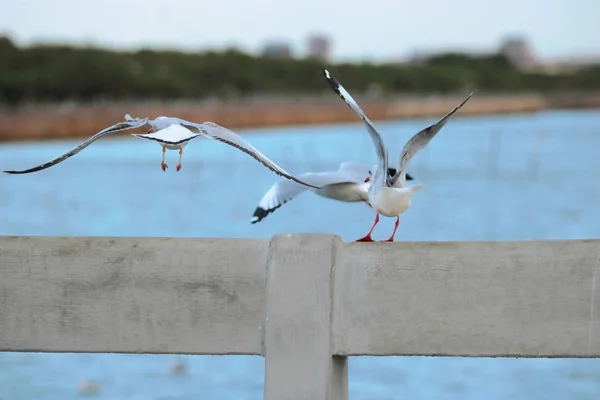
(53, 72)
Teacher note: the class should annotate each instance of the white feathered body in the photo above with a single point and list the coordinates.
(169, 134)
(392, 201)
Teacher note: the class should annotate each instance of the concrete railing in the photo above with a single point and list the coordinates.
(304, 302)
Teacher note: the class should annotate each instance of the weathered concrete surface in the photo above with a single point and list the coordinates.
(132, 295)
(471, 299)
(209, 296)
(298, 347)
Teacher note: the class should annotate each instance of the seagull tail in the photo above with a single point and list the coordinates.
(141, 135)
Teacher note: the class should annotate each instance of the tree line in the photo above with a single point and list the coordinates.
(57, 72)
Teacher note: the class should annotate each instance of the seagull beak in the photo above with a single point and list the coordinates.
(368, 179)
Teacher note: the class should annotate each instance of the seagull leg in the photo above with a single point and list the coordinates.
(180, 156)
(368, 238)
(163, 164)
(391, 239)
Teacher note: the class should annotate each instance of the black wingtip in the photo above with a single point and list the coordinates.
(335, 85)
(330, 78)
(467, 99)
(25, 171)
(260, 214)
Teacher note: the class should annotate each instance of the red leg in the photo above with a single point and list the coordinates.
(391, 239)
(163, 164)
(180, 156)
(368, 238)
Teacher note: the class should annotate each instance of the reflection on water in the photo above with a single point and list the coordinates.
(487, 178)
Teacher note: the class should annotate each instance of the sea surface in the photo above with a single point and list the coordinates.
(516, 177)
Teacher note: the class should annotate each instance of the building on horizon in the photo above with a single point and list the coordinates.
(319, 47)
(277, 49)
(519, 53)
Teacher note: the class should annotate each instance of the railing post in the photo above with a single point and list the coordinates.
(297, 342)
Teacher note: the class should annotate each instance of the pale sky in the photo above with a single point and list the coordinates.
(372, 29)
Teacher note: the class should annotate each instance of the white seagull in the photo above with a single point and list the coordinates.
(346, 184)
(387, 194)
(172, 134)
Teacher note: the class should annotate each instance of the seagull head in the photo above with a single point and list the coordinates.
(163, 122)
(371, 172)
(130, 119)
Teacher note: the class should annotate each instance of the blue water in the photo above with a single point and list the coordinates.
(517, 177)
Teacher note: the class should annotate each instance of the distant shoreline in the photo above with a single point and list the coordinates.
(48, 122)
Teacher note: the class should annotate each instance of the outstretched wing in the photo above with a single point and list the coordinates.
(121, 126)
(375, 136)
(283, 191)
(420, 140)
(217, 132)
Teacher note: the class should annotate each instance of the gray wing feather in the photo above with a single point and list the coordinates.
(121, 126)
(337, 87)
(283, 191)
(217, 132)
(419, 141)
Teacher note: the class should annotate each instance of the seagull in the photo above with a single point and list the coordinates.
(173, 133)
(387, 194)
(347, 184)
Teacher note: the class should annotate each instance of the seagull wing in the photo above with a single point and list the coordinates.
(283, 191)
(337, 87)
(420, 140)
(121, 126)
(217, 132)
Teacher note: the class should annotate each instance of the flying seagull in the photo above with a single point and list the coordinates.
(173, 133)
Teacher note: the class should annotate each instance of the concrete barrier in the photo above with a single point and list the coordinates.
(305, 302)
